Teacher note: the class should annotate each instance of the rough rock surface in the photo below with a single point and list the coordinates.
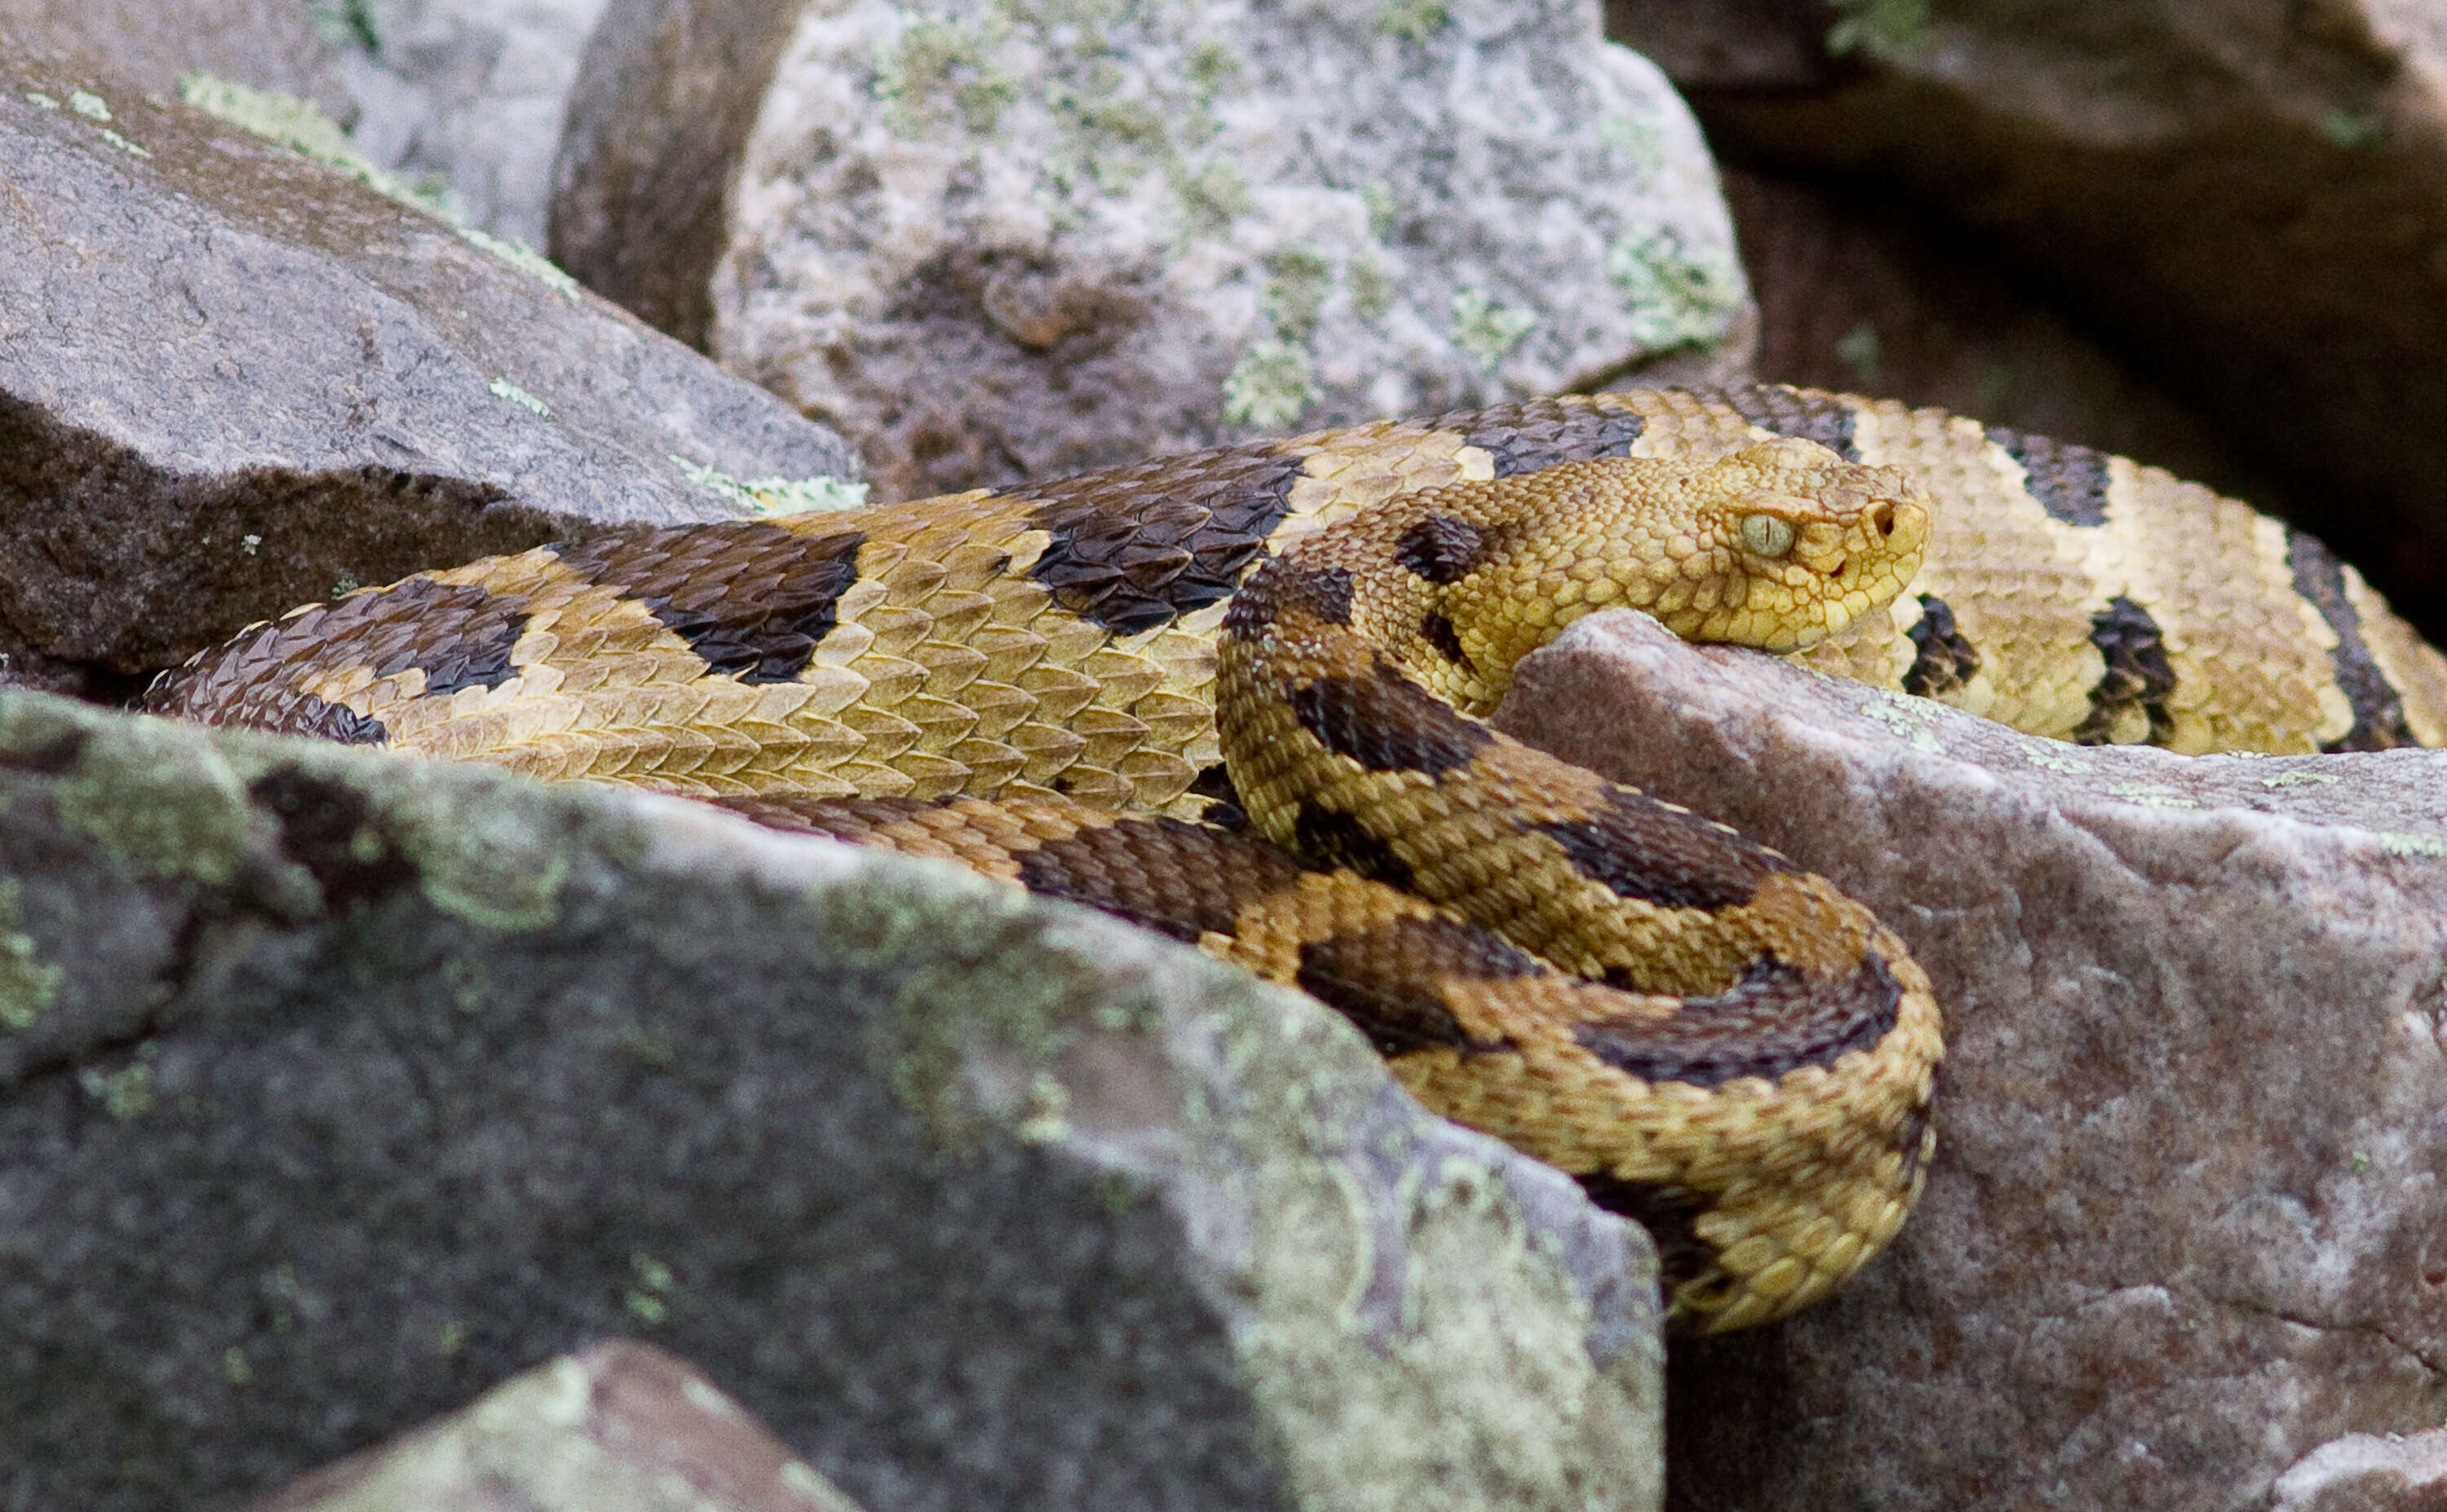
(470, 93)
(2187, 1219)
(337, 1087)
(230, 379)
(2365, 1473)
(619, 1428)
(261, 44)
(994, 241)
(2250, 196)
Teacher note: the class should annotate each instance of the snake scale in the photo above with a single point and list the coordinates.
(1233, 695)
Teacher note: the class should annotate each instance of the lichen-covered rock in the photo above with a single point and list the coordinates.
(2188, 1218)
(231, 379)
(2363, 1472)
(337, 1087)
(622, 1426)
(470, 93)
(262, 44)
(994, 242)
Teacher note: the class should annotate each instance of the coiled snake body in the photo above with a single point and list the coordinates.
(1053, 684)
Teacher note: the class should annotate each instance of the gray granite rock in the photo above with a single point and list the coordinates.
(337, 1088)
(2363, 1472)
(262, 44)
(470, 94)
(2188, 1218)
(621, 1426)
(993, 242)
(232, 379)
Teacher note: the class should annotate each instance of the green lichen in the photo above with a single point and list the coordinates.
(2148, 795)
(524, 258)
(1882, 28)
(1489, 332)
(769, 497)
(158, 800)
(1372, 286)
(1210, 66)
(28, 983)
(125, 1093)
(1416, 21)
(1472, 1383)
(1396, 1337)
(1209, 196)
(1297, 281)
(649, 1301)
(1271, 384)
(346, 23)
(2353, 130)
(504, 389)
(1906, 716)
(1676, 296)
(301, 126)
(1378, 198)
(1858, 349)
(988, 991)
(91, 106)
(1639, 144)
(940, 72)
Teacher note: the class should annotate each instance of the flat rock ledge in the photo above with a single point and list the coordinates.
(337, 1089)
(234, 380)
(2186, 1233)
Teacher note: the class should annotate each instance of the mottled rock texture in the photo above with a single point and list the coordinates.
(619, 1428)
(232, 379)
(2188, 1218)
(993, 240)
(336, 1088)
(2364, 1472)
(261, 44)
(470, 94)
(2247, 197)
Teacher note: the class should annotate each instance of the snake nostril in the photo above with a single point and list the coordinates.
(1884, 517)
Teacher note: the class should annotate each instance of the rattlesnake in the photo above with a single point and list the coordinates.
(1028, 680)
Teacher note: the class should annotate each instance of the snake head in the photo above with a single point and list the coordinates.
(1802, 541)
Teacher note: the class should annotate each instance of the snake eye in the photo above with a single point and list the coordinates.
(1766, 535)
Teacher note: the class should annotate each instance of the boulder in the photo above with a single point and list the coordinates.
(996, 243)
(232, 381)
(620, 1426)
(338, 1087)
(2187, 1219)
(469, 94)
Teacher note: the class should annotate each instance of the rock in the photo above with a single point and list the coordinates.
(337, 1087)
(2188, 1218)
(2246, 198)
(231, 379)
(261, 44)
(470, 93)
(1861, 292)
(996, 243)
(2360, 1473)
(621, 1426)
